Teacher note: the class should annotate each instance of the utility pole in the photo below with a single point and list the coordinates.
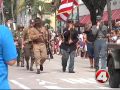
(78, 18)
(3, 16)
(12, 9)
(109, 14)
(54, 6)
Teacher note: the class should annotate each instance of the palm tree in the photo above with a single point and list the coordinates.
(20, 6)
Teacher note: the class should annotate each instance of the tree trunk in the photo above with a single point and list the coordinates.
(93, 16)
(12, 9)
(95, 7)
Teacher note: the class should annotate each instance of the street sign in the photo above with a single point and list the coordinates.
(102, 76)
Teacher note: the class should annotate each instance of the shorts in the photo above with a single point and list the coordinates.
(90, 49)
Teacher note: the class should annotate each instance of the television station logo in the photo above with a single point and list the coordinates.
(102, 76)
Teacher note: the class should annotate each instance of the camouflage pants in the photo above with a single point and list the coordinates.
(18, 57)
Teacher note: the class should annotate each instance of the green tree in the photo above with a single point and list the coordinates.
(21, 5)
(48, 21)
(9, 9)
(34, 4)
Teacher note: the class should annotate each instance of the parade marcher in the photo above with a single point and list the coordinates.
(52, 41)
(8, 55)
(27, 46)
(39, 37)
(90, 44)
(69, 46)
(100, 32)
(18, 40)
(48, 44)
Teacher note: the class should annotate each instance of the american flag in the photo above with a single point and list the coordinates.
(65, 9)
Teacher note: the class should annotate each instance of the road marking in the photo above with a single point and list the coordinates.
(53, 87)
(43, 82)
(19, 84)
(32, 76)
(79, 80)
(19, 78)
(104, 88)
(66, 80)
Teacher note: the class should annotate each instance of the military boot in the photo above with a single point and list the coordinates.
(41, 67)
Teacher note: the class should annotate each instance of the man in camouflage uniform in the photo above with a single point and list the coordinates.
(27, 46)
(18, 40)
(39, 37)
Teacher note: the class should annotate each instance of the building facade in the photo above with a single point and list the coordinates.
(115, 4)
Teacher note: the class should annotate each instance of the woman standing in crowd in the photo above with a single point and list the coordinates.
(90, 41)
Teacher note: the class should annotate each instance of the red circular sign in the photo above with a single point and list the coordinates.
(102, 76)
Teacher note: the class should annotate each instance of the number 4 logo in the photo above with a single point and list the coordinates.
(102, 76)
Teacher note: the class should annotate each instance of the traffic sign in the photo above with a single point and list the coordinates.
(102, 76)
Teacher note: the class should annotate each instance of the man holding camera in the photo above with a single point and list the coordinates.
(69, 46)
(100, 32)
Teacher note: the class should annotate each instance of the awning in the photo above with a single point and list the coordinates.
(115, 16)
(85, 20)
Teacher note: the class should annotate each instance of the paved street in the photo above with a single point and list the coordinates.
(53, 78)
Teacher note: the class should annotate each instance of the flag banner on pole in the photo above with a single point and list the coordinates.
(66, 8)
(66, 5)
(63, 16)
(76, 3)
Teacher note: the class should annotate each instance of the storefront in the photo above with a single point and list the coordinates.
(115, 17)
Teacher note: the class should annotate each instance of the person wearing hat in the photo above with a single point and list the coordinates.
(39, 37)
(100, 32)
(69, 46)
(18, 41)
(27, 46)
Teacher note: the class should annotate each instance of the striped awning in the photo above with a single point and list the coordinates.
(115, 16)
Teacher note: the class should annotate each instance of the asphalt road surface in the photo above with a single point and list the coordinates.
(53, 78)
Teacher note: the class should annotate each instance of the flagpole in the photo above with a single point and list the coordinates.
(72, 12)
(78, 18)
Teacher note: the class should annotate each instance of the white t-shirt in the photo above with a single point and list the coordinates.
(80, 36)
